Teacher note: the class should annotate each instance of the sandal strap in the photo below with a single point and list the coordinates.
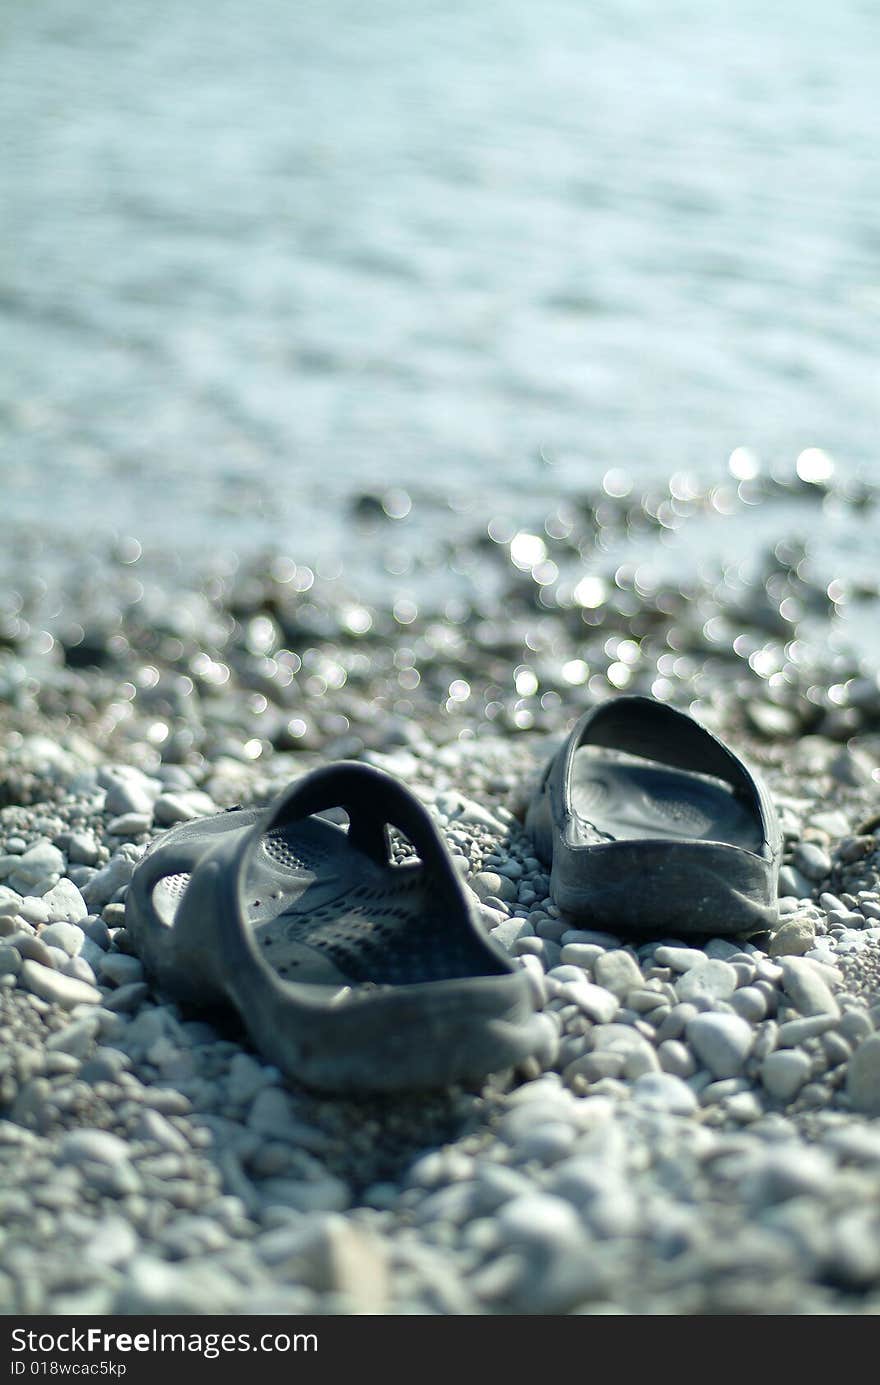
(373, 800)
(171, 858)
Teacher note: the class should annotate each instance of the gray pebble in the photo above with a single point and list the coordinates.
(490, 885)
(806, 989)
(863, 1077)
(812, 861)
(722, 1042)
(676, 1058)
(675, 1023)
(83, 1144)
(34, 910)
(41, 860)
(784, 1072)
(663, 1091)
(78, 968)
(795, 937)
(82, 849)
(680, 959)
(67, 936)
(856, 1025)
(57, 988)
(170, 808)
(128, 791)
(750, 1004)
(595, 1001)
(581, 954)
(711, 980)
(792, 882)
(617, 972)
(130, 825)
(153, 1126)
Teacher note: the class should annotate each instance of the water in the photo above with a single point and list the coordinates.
(261, 256)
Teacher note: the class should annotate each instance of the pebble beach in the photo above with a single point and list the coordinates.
(395, 385)
(698, 1134)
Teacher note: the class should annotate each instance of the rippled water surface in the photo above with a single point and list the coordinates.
(260, 257)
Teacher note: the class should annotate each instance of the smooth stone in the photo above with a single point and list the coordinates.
(794, 1032)
(581, 955)
(856, 1025)
(130, 825)
(57, 988)
(67, 936)
(107, 881)
(595, 1066)
(128, 790)
(539, 1220)
(863, 1077)
(10, 902)
(31, 947)
(638, 1054)
(113, 1241)
(831, 904)
(806, 989)
(711, 980)
(65, 903)
(488, 884)
(680, 959)
(812, 861)
(676, 1058)
(96, 931)
(80, 969)
(152, 1125)
(792, 882)
(663, 1091)
(170, 808)
(34, 910)
(676, 1022)
(596, 1002)
(82, 849)
(617, 972)
(795, 937)
(750, 1004)
(10, 960)
(509, 931)
(721, 1041)
(99, 1146)
(784, 1072)
(744, 1107)
(41, 860)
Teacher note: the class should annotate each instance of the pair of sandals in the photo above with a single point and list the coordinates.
(357, 973)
